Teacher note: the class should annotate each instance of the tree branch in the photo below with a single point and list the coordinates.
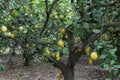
(48, 12)
(112, 24)
(103, 5)
(79, 11)
(58, 64)
(93, 37)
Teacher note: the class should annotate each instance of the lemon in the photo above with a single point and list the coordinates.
(94, 56)
(14, 12)
(36, 26)
(79, 49)
(87, 50)
(55, 17)
(90, 62)
(59, 75)
(8, 34)
(62, 17)
(27, 9)
(12, 36)
(27, 45)
(4, 29)
(53, 55)
(33, 45)
(47, 52)
(60, 43)
(63, 31)
(66, 36)
(13, 27)
(67, 10)
(77, 39)
(58, 56)
(21, 28)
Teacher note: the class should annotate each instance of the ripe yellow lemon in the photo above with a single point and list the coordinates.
(59, 75)
(8, 34)
(94, 56)
(13, 27)
(27, 45)
(79, 49)
(12, 36)
(4, 28)
(67, 10)
(77, 40)
(90, 62)
(63, 31)
(60, 43)
(47, 52)
(36, 26)
(61, 17)
(53, 55)
(87, 50)
(33, 45)
(66, 36)
(55, 17)
(58, 56)
(21, 28)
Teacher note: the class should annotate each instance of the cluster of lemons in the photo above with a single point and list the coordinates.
(9, 34)
(60, 43)
(93, 55)
(59, 75)
(48, 53)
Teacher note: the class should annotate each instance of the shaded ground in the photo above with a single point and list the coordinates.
(83, 71)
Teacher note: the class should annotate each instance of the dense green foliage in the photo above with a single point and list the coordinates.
(93, 23)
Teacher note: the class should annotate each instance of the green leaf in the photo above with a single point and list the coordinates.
(113, 50)
(99, 47)
(117, 66)
(86, 25)
(112, 62)
(103, 56)
(96, 30)
(65, 50)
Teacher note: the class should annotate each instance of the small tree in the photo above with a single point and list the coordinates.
(54, 28)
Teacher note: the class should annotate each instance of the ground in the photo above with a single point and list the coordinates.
(83, 71)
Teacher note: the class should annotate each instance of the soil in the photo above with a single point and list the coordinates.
(83, 71)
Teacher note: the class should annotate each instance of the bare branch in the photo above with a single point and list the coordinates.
(58, 64)
(55, 1)
(48, 12)
(112, 24)
(46, 4)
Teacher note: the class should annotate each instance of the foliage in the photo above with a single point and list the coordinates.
(50, 29)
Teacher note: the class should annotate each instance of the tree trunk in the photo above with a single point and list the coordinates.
(68, 73)
(27, 62)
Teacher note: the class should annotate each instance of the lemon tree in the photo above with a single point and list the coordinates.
(47, 30)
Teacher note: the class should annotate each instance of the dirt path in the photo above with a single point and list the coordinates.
(83, 71)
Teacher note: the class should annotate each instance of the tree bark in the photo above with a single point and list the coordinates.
(68, 73)
(27, 62)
